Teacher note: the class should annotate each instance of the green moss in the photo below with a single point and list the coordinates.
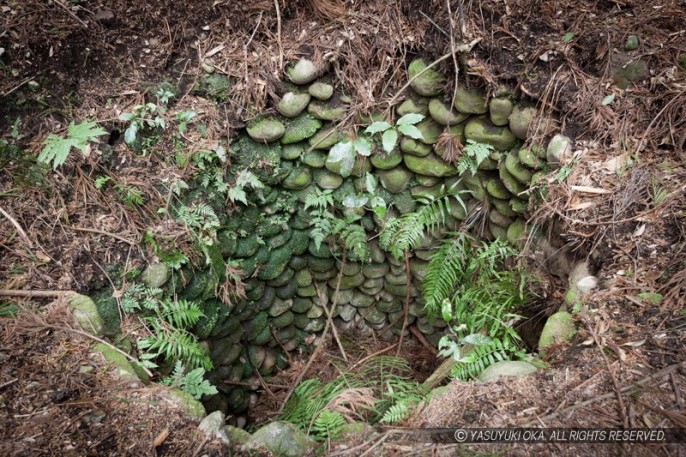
(108, 311)
(299, 242)
(264, 160)
(227, 242)
(247, 247)
(214, 87)
(256, 291)
(277, 262)
(213, 311)
(121, 363)
(300, 128)
(186, 402)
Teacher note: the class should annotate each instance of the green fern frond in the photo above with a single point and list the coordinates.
(174, 345)
(328, 425)
(446, 269)
(484, 356)
(395, 413)
(181, 314)
(56, 148)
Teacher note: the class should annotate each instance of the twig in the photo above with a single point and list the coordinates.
(35, 293)
(10, 382)
(17, 86)
(278, 33)
(422, 339)
(639, 383)
(20, 230)
(329, 313)
(461, 48)
(71, 13)
(102, 232)
(361, 361)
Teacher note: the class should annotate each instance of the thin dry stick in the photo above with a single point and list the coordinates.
(278, 32)
(620, 400)
(329, 317)
(361, 361)
(35, 293)
(319, 347)
(102, 232)
(640, 383)
(461, 48)
(20, 230)
(71, 13)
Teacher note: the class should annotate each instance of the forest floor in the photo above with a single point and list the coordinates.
(63, 61)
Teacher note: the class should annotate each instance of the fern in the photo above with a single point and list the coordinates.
(404, 233)
(483, 356)
(174, 345)
(327, 426)
(396, 413)
(193, 382)
(472, 155)
(181, 314)
(56, 148)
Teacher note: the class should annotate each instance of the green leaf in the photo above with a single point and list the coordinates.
(568, 37)
(126, 116)
(363, 147)
(389, 139)
(411, 131)
(131, 133)
(447, 310)
(56, 149)
(370, 183)
(343, 152)
(378, 126)
(355, 201)
(410, 119)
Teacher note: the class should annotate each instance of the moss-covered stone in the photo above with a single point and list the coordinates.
(516, 169)
(520, 120)
(303, 72)
(496, 189)
(400, 290)
(516, 232)
(292, 104)
(558, 329)
(265, 129)
(325, 138)
(301, 128)
(431, 165)
(320, 91)
(323, 251)
(327, 111)
(627, 74)
(375, 317)
(120, 363)
(277, 263)
(306, 292)
(444, 114)
(507, 368)
(531, 158)
(86, 314)
(404, 202)
(503, 207)
(481, 130)
(425, 82)
(511, 183)
(415, 147)
(470, 101)
(347, 282)
(500, 110)
(283, 320)
(186, 402)
(518, 205)
(430, 130)
(155, 275)
(293, 151)
(650, 298)
(327, 180)
(418, 105)
(264, 160)
(395, 180)
(321, 264)
(247, 247)
(559, 149)
(499, 219)
(298, 179)
(227, 242)
(386, 161)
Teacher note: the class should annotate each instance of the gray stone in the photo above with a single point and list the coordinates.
(361, 300)
(293, 104)
(212, 426)
(279, 307)
(303, 72)
(470, 101)
(520, 120)
(236, 435)
(443, 114)
(320, 91)
(482, 130)
(559, 149)
(282, 438)
(156, 275)
(375, 317)
(631, 43)
(347, 312)
(506, 368)
(265, 129)
(292, 151)
(395, 180)
(314, 159)
(185, 401)
(325, 138)
(500, 110)
(425, 82)
(431, 165)
(316, 325)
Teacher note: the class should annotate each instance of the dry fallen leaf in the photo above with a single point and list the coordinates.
(159, 439)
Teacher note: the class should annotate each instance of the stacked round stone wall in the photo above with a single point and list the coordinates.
(290, 280)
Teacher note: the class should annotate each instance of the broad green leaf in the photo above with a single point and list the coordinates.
(363, 147)
(447, 310)
(477, 339)
(370, 183)
(568, 37)
(343, 152)
(411, 131)
(126, 116)
(378, 126)
(237, 194)
(131, 133)
(410, 119)
(389, 139)
(355, 201)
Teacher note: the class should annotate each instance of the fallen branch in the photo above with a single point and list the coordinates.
(20, 230)
(102, 232)
(35, 293)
